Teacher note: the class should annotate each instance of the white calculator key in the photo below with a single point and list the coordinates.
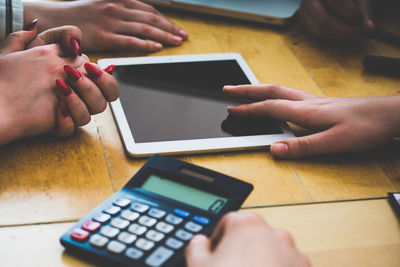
(112, 210)
(147, 221)
(154, 235)
(159, 256)
(129, 215)
(173, 219)
(116, 247)
(156, 213)
(109, 231)
(137, 229)
(123, 203)
(144, 244)
(119, 223)
(98, 241)
(183, 235)
(173, 243)
(164, 227)
(134, 253)
(193, 227)
(127, 238)
(139, 207)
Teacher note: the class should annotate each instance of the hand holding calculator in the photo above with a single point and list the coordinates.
(150, 221)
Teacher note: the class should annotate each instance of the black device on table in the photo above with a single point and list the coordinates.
(394, 200)
(151, 220)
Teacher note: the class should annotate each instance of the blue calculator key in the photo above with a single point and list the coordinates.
(183, 235)
(182, 213)
(133, 253)
(193, 227)
(159, 256)
(172, 219)
(156, 213)
(173, 243)
(201, 220)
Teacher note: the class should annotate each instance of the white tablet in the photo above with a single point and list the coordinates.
(174, 104)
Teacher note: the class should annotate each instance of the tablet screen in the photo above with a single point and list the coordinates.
(184, 101)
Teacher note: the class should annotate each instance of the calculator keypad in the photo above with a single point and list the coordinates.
(140, 232)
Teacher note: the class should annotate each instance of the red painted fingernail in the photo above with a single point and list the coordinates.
(64, 109)
(72, 73)
(398, 174)
(75, 46)
(63, 88)
(30, 26)
(92, 70)
(110, 69)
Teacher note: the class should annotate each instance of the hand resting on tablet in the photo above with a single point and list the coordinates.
(342, 124)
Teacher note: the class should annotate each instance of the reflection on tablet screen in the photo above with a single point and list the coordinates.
(184, 101)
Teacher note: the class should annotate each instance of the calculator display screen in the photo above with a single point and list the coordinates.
(184, 193)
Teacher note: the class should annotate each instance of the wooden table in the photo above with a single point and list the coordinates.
(333, 205)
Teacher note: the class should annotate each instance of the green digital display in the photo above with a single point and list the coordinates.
(183, 193)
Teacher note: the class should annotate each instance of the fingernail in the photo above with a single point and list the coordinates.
(75, 46)
(30, 25)
(227, 87)
(177, 39)
(110, 69)
(92, 71)
(63, 88)
(72, 73)
(280, 149)
(157, 46)
(64, 109)
(198, 238)
(398, 174)
(183, 33)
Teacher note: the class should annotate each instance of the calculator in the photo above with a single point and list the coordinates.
(152, 218)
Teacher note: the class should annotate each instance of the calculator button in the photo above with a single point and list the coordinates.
(91, 226)
(109, 231)
(122, 203)
(156, 213)
(79, 234)
(134, 253)
(193, 227)
(182, 213)
(164, 227)
(144, 244)
(139, 207)
(147, 221)
(183, 235)
(154, 235)
(112, 210)
(98, 241)
(201, 220)
(119, 223)
(173, 219)
(102, 218)
(159, 256)
(173, 243)
(116, 247)
(137, 229)
(127, 238)
(130, 215)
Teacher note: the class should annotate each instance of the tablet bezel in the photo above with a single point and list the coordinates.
(188, 146)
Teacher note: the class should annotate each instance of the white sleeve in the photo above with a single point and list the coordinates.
(2, 20)
(18, 15)
(11, 17)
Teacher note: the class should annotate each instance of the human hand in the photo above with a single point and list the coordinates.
(244, 240)
(337, 19)
(345, 124)
(110, 25)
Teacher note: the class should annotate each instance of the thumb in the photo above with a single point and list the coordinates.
(17, 41)
(198, 251)
(365, 7)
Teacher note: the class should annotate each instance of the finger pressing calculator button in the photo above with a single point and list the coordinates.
(134, 253)
(137, 229)
(119, 223)
(144, 244)
(173, 243)
(112, 210)
(156, 213)
(122, 203)
(130, 215)
(139, 207)
(159, 256)
(91, 226)
(193, 227)
(79, 234)
(116, 247)
(102, 218)
(109, 231)
(183, 235)
(154, 235)
(182, 213)
(164, 227)
(173, 219)
(98, 241)
(127, 238)
(201, 220)
(147, 221)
